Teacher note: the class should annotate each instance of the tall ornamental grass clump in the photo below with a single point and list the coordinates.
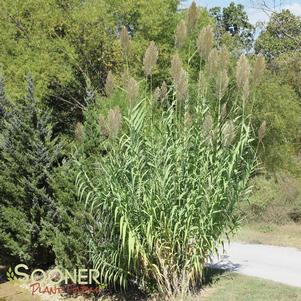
(164, 197)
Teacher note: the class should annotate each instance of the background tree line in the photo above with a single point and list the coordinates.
(56, 58)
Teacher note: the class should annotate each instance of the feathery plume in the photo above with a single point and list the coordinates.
(114, 121)
(243, 76)
(181, 34)
(207, 126)
(150, 58)
(228, 133)
(176, 67)
(218, 60)
(111, 125)
(79, 132)
(259, 69)
(110, 84)
(224, 111)
(205, 41)
(125, 76)
(181, 85)
(192, 16)
(103, 125)
(222, 82)
(124, 40)
(262, 131)
(246, 90)
(132, 89)
(202, 84)
(242, 71)
(224, 58)
(213, 61)
(164, 92)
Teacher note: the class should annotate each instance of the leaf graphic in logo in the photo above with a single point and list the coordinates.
(10, 275)
(102, 286)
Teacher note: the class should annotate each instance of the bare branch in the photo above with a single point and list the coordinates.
(269, 10)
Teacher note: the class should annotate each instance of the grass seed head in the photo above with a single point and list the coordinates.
(114, 121)
(132, 89)
(222, 82)
(246, 91)
(202, 84)
(79, 132)
(110, 84)
(163, 92)
(213, 62)
(192, 16)
(228, 133)
(124, 40)
(242, 71)
(207, 126)
(176, 67)
(150, 58)
(181, 34)
(125, 76)
(205, 42)
(111, 125)
(103, 125)
(224, 111)
(182, 86)
(218, 60)
(224, 58)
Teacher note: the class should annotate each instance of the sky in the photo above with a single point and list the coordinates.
(254, 14)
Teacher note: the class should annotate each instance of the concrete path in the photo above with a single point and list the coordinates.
(280, 264)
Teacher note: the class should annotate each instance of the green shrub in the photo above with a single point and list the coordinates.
(276, 199)
(68, 235)
(281, 110)
(28, 155)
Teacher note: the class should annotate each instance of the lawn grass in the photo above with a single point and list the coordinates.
(235, 287)
(279, 235)
(225, 287)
